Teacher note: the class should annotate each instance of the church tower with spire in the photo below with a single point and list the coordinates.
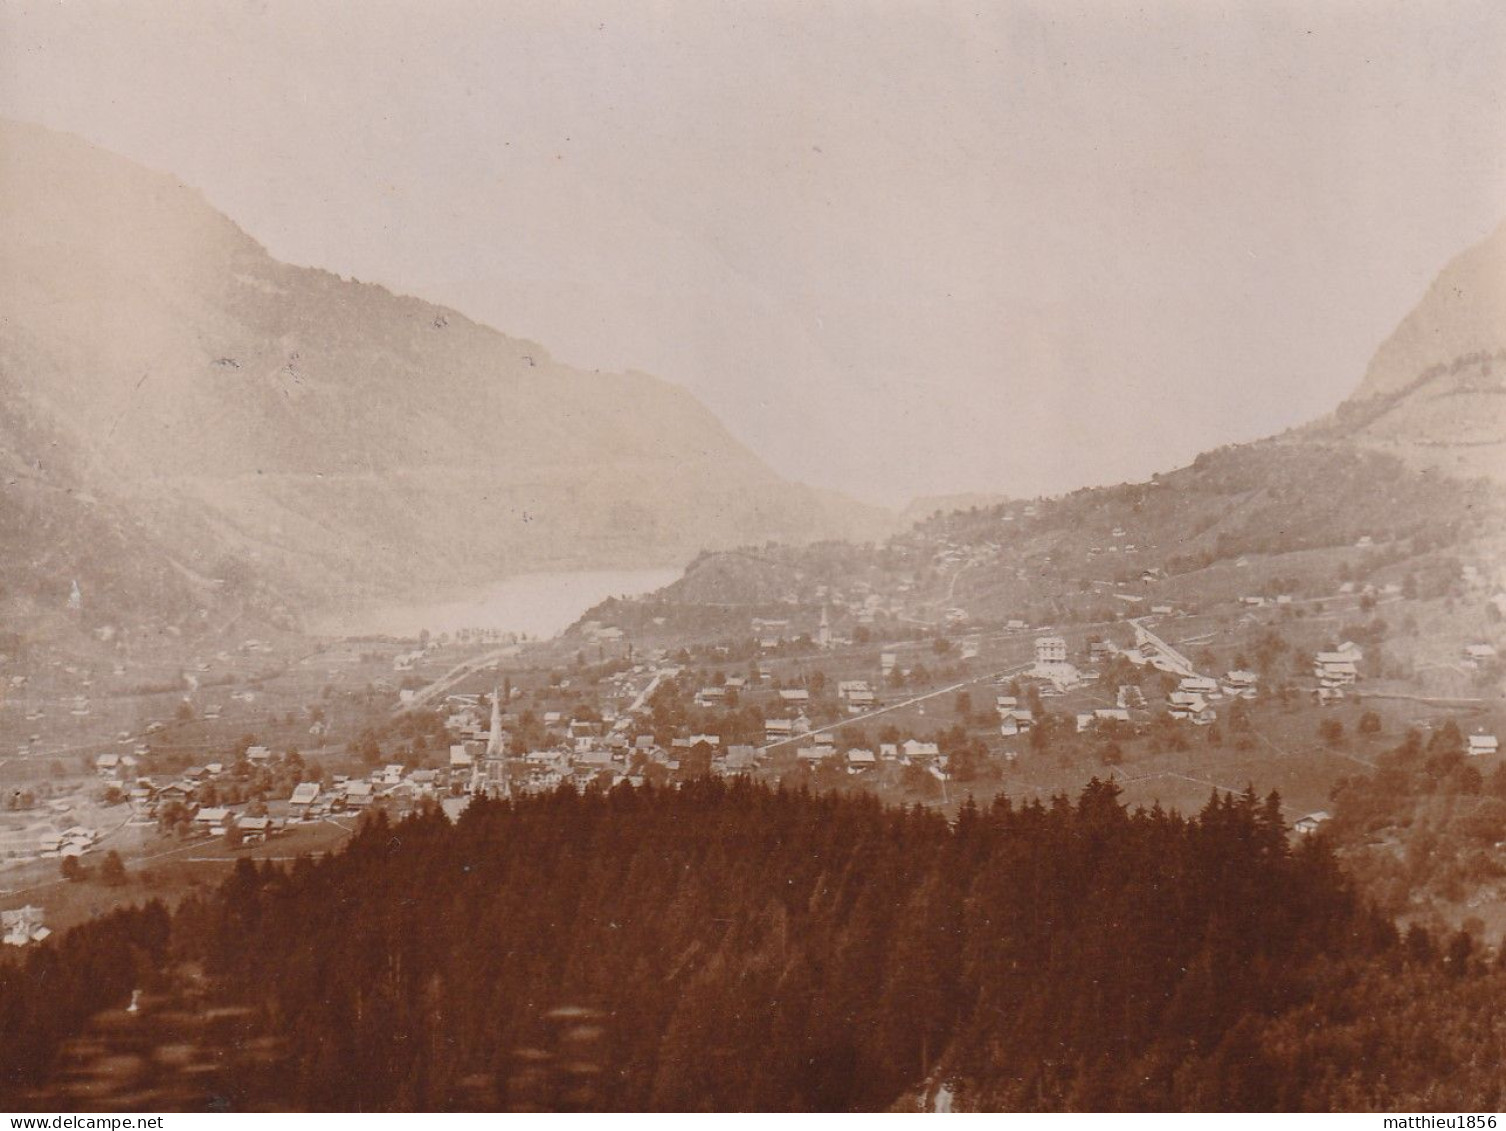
(493, 766)
(823, 633)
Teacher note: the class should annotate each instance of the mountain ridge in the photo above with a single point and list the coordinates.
(1434, 392)
(332, 434)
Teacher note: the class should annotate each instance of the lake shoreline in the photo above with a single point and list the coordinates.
(536, 605)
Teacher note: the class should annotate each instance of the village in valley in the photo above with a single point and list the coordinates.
(1017, 651)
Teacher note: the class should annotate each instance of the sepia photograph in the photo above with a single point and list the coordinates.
(739, 556)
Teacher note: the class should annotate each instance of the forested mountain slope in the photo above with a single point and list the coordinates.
(326, 433)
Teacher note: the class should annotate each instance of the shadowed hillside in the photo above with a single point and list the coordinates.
(325, 432)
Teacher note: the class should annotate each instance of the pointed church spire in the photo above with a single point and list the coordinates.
(494, 740)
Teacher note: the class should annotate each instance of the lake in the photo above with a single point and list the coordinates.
(538, 604)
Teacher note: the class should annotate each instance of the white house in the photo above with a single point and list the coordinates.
(1050, 650)
(1483, 744)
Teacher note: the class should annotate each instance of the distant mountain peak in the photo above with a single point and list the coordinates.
(1435, 391)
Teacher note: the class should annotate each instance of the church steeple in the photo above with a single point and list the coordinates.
(494, 740)
(491, 772)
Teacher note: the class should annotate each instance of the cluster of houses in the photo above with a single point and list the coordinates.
(73, 841)
(588, 751)
(23, 926)
(859, 760)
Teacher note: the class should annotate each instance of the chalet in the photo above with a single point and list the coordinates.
(258, 755)
(254, 829)
(1190, 707)
(304, 796)
(812, 754)
(597, 759)
(777, 730)
(216, 820)
(1335, 669)
(461, 760)
(795, 695)
(1240, 684)
(860, 760)
(1306, 826)
(913, 748)
(740, 759)
(1203, 685)
(358, 793)
(107, 765)
(1104, 716)
(710, 696)
(1483, 744)
(1014, 723)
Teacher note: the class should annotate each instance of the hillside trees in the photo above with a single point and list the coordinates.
(725, 946)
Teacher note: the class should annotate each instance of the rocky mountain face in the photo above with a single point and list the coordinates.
(224, 412)
(1435, 392)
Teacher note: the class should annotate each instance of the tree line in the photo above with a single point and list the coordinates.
(728, 946)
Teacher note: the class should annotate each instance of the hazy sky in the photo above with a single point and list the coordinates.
(898, 247)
